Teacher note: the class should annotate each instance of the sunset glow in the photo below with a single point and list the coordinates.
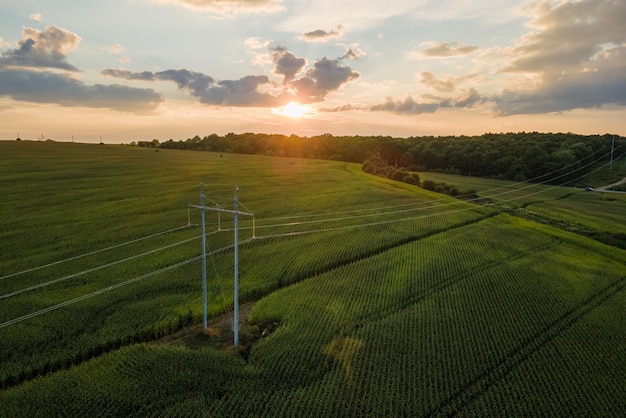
(363, 67)
(294, 110)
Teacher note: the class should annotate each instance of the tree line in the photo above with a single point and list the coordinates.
(510, 156)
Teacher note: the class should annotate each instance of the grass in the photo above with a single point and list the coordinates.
(503, 193)
(515, 322)
(606, 174)
(131, 196)
(596, 211)
(378, 298)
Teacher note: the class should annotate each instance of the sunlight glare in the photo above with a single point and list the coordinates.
(294, 110)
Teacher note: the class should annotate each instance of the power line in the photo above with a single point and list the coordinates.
(72, 276)
(249, 240)
(396, 212)
(509, 190)
(94, 252)
(96, 293)
(109, 288)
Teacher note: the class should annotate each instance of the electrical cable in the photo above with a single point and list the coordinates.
(112, 287)
(100, 267)
(251, 239)
(95, 252)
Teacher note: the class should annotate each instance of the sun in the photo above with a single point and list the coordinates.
(294, 110)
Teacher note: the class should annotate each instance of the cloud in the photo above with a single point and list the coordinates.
(430, 80)
(244, 92)
(320, 35)
(114, 49)
(47, 87)
(343, 108)
(351, 54)
(441, 50)
(576, 54)
(196, 83)
(326, 76)
(350, 14)
(42, 49)
(447, 84)
(323, 78)
(129, 75)
(469, 99)
(36, 17)
(583, 90)
(229, 8)
(569, 35)
(25, 76)
(287, 64)
(256, 43)
(408, 106)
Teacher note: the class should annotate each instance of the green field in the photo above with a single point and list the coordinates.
(596, 214)
(377, 298)
(503, 193)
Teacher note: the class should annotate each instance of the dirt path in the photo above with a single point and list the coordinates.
(603, 188)
(220, 327)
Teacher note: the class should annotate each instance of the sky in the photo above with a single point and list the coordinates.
(132, 70)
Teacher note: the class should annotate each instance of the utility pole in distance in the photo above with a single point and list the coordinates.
(236, 214)
(612, 147)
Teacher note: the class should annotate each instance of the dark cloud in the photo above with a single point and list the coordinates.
(196, 83)
(129, 75)
(47, 87)
(323, 78)
(21, 77)
(287, 64)
(408, 106)
(326, 76)
(42, 49)
(447, 49)
(242, 92)
(578, 56)
(320, 35)
(584, 90)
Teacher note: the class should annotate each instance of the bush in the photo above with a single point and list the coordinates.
(411, 179)
(429, 185)
(399, 175)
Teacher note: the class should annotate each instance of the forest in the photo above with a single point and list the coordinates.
(507, 156)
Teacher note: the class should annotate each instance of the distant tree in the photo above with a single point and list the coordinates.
(429, 185)
(412, 179)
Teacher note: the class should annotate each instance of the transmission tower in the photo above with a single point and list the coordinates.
(236, 214)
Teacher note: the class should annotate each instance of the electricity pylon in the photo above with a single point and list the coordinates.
(236, 214)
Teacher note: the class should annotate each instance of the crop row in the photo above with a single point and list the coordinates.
(119, 317)
(456, 323)
(437, 353)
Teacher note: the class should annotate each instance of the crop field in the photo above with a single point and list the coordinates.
(504, 193)
(373, 297)
(594, 211)
(597, 211)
